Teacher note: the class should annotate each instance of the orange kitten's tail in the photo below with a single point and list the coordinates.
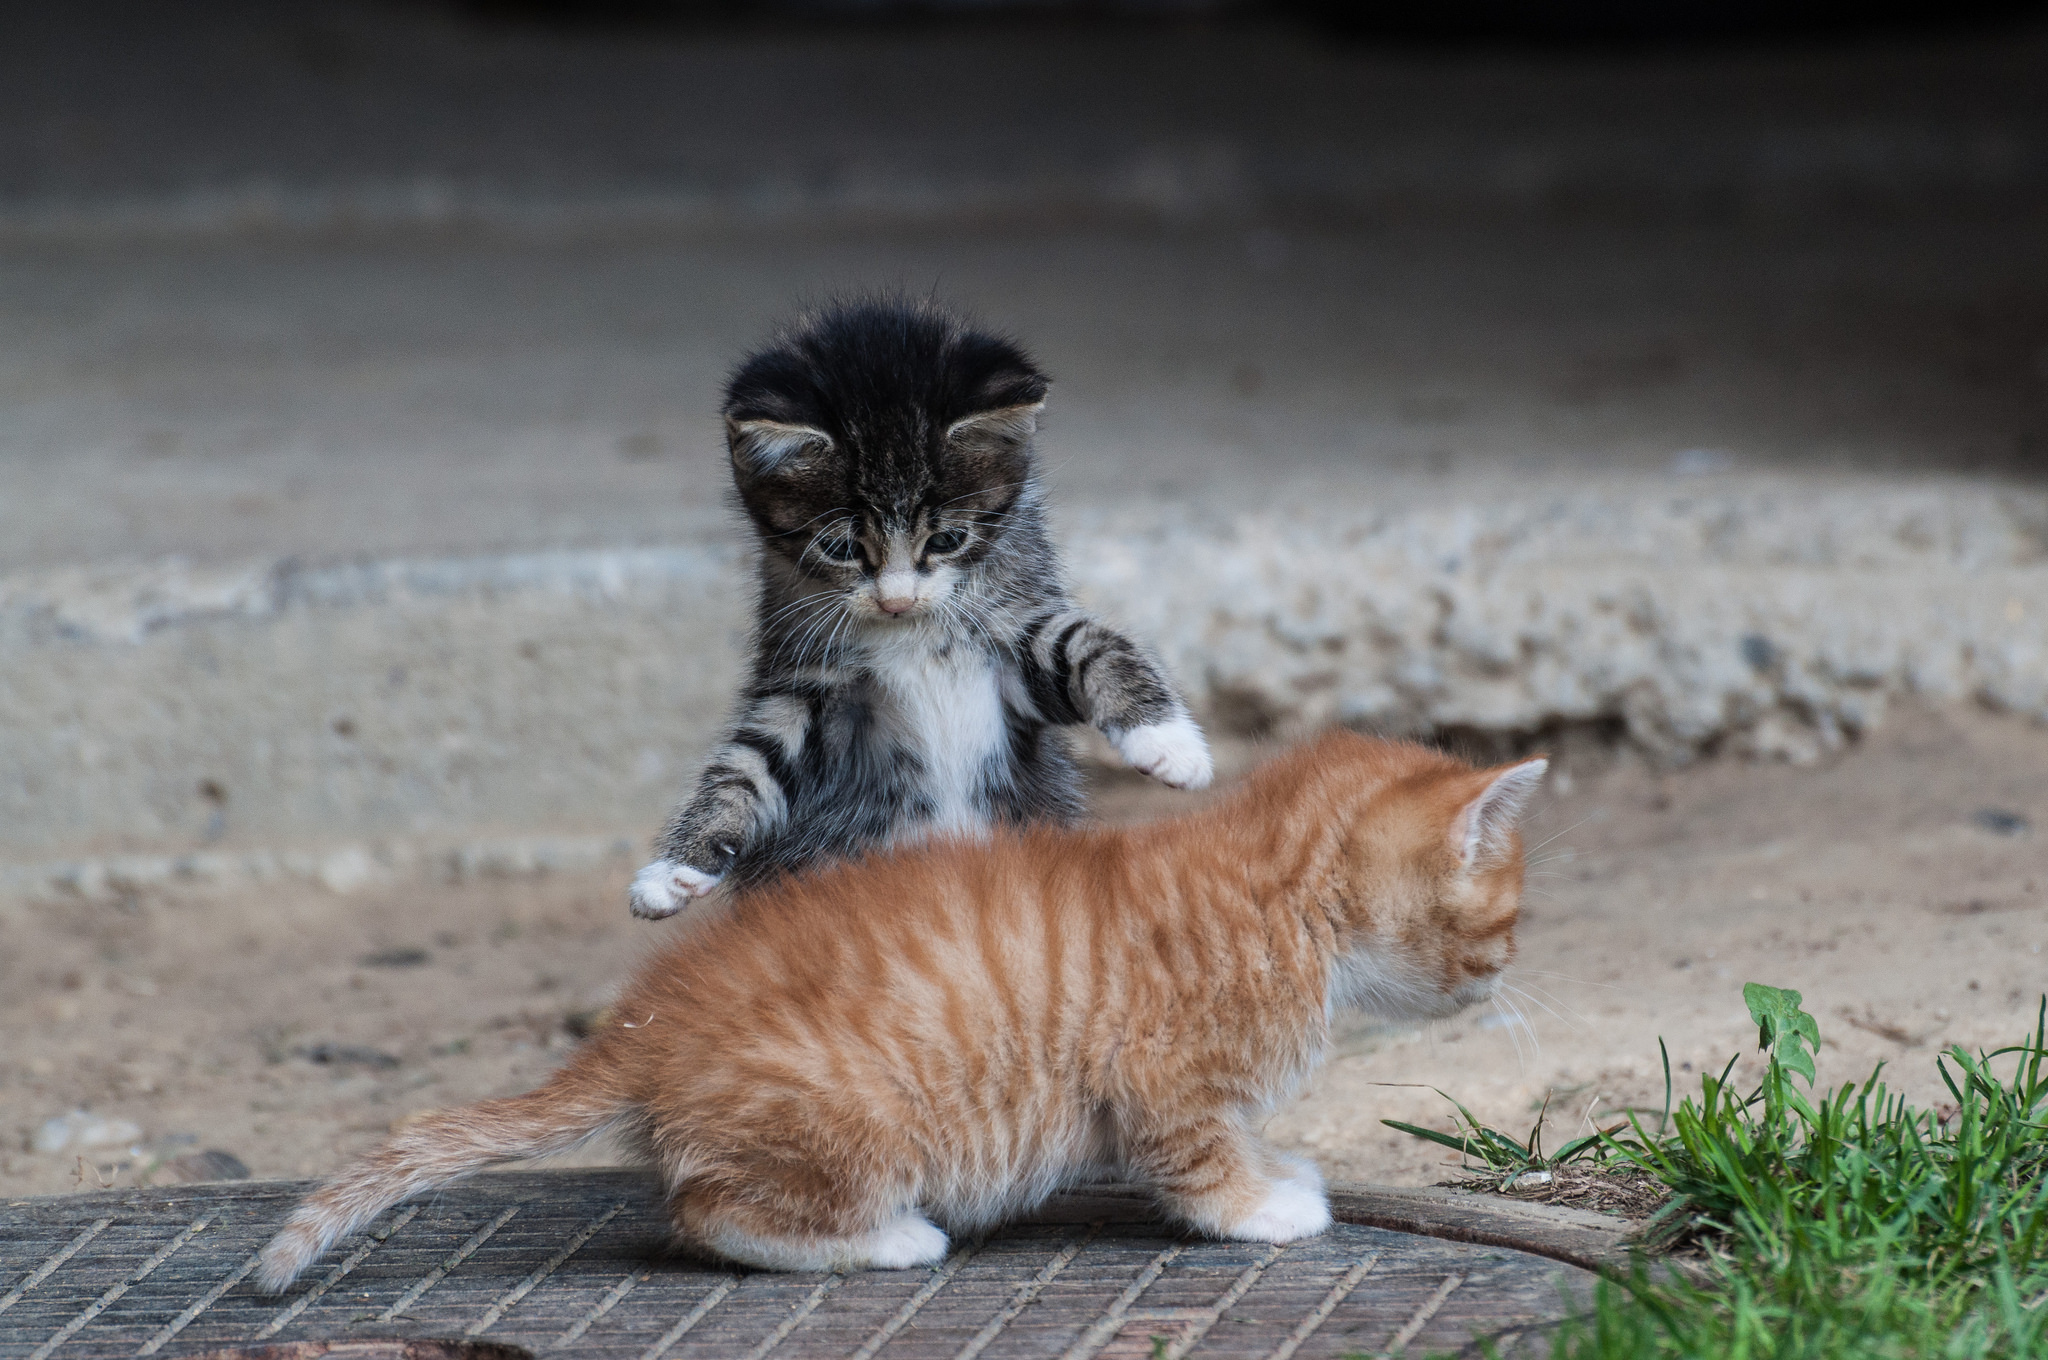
(431, 1151)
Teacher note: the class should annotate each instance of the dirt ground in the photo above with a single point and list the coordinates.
(1902, 886)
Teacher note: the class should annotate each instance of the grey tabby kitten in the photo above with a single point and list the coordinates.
(914, 643)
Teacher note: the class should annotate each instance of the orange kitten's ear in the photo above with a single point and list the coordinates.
(1481, 828)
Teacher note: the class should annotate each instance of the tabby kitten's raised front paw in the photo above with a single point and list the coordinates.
(664, 888)
(1172, 752)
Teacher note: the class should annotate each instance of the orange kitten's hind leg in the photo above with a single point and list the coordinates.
(747, 1233)
(1228, 1183)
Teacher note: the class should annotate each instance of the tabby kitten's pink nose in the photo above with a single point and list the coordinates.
(896, 604)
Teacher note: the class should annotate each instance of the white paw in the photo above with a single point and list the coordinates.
(664, 888)
(911, 1240)
(1294, 1209)
(1172, 752)
(1302, 1171)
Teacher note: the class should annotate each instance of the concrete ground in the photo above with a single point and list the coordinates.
(365, 582)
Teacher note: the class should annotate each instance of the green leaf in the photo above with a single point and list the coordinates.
(1783, 1030)
(1454, 1142)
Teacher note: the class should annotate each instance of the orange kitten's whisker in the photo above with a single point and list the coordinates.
(1579, 1015)
(1507, 1022)
(1565, 977)
(1532, 999)
(1547, 1009)
(1530, 850)
(1517, 1018)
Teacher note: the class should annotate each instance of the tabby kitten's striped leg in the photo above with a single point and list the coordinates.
(740, 794)
(1079, 669)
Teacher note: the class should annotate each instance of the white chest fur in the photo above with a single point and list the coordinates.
(946, 706)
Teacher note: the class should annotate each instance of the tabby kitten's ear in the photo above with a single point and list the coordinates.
(989, 457)
(1005, 427)
(762, 448)
(781, 469)
(1481, 829)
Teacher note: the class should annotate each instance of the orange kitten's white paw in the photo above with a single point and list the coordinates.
(1294, 1209)
(664, 888)
(911, 1240)
(1173, 752)
(1303, 1170)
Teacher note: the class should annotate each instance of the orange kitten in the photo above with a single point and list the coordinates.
(953, 1033)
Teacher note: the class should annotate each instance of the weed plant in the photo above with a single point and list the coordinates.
(1848, 1224)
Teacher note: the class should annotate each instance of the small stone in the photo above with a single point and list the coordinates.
(396, 958)
(346, 870)
(345, 1055)
(211, 1165)
(583, 1024)
(2001, 821)
(81, 1129)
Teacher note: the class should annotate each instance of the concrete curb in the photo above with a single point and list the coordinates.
(1774, 618)
(338, 724)
(1577, 1237)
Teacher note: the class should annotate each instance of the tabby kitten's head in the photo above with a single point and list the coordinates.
(883, 451)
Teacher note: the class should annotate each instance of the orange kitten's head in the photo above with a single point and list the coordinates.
(1428, 877)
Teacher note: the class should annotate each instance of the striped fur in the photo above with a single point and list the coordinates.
(839, 1068)
(915, 649)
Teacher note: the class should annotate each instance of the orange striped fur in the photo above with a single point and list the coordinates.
(827, 1070)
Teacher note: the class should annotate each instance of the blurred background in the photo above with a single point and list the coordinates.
(1663, 385)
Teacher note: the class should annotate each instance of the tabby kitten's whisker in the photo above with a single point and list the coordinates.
(794, 627)
(797, 531)
(982, 491)
(801, 602)
(827, 616)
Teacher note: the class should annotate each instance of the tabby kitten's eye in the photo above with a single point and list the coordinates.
(942, 543)
(840, 549)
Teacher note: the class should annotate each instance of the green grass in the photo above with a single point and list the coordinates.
(1845, 1224)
